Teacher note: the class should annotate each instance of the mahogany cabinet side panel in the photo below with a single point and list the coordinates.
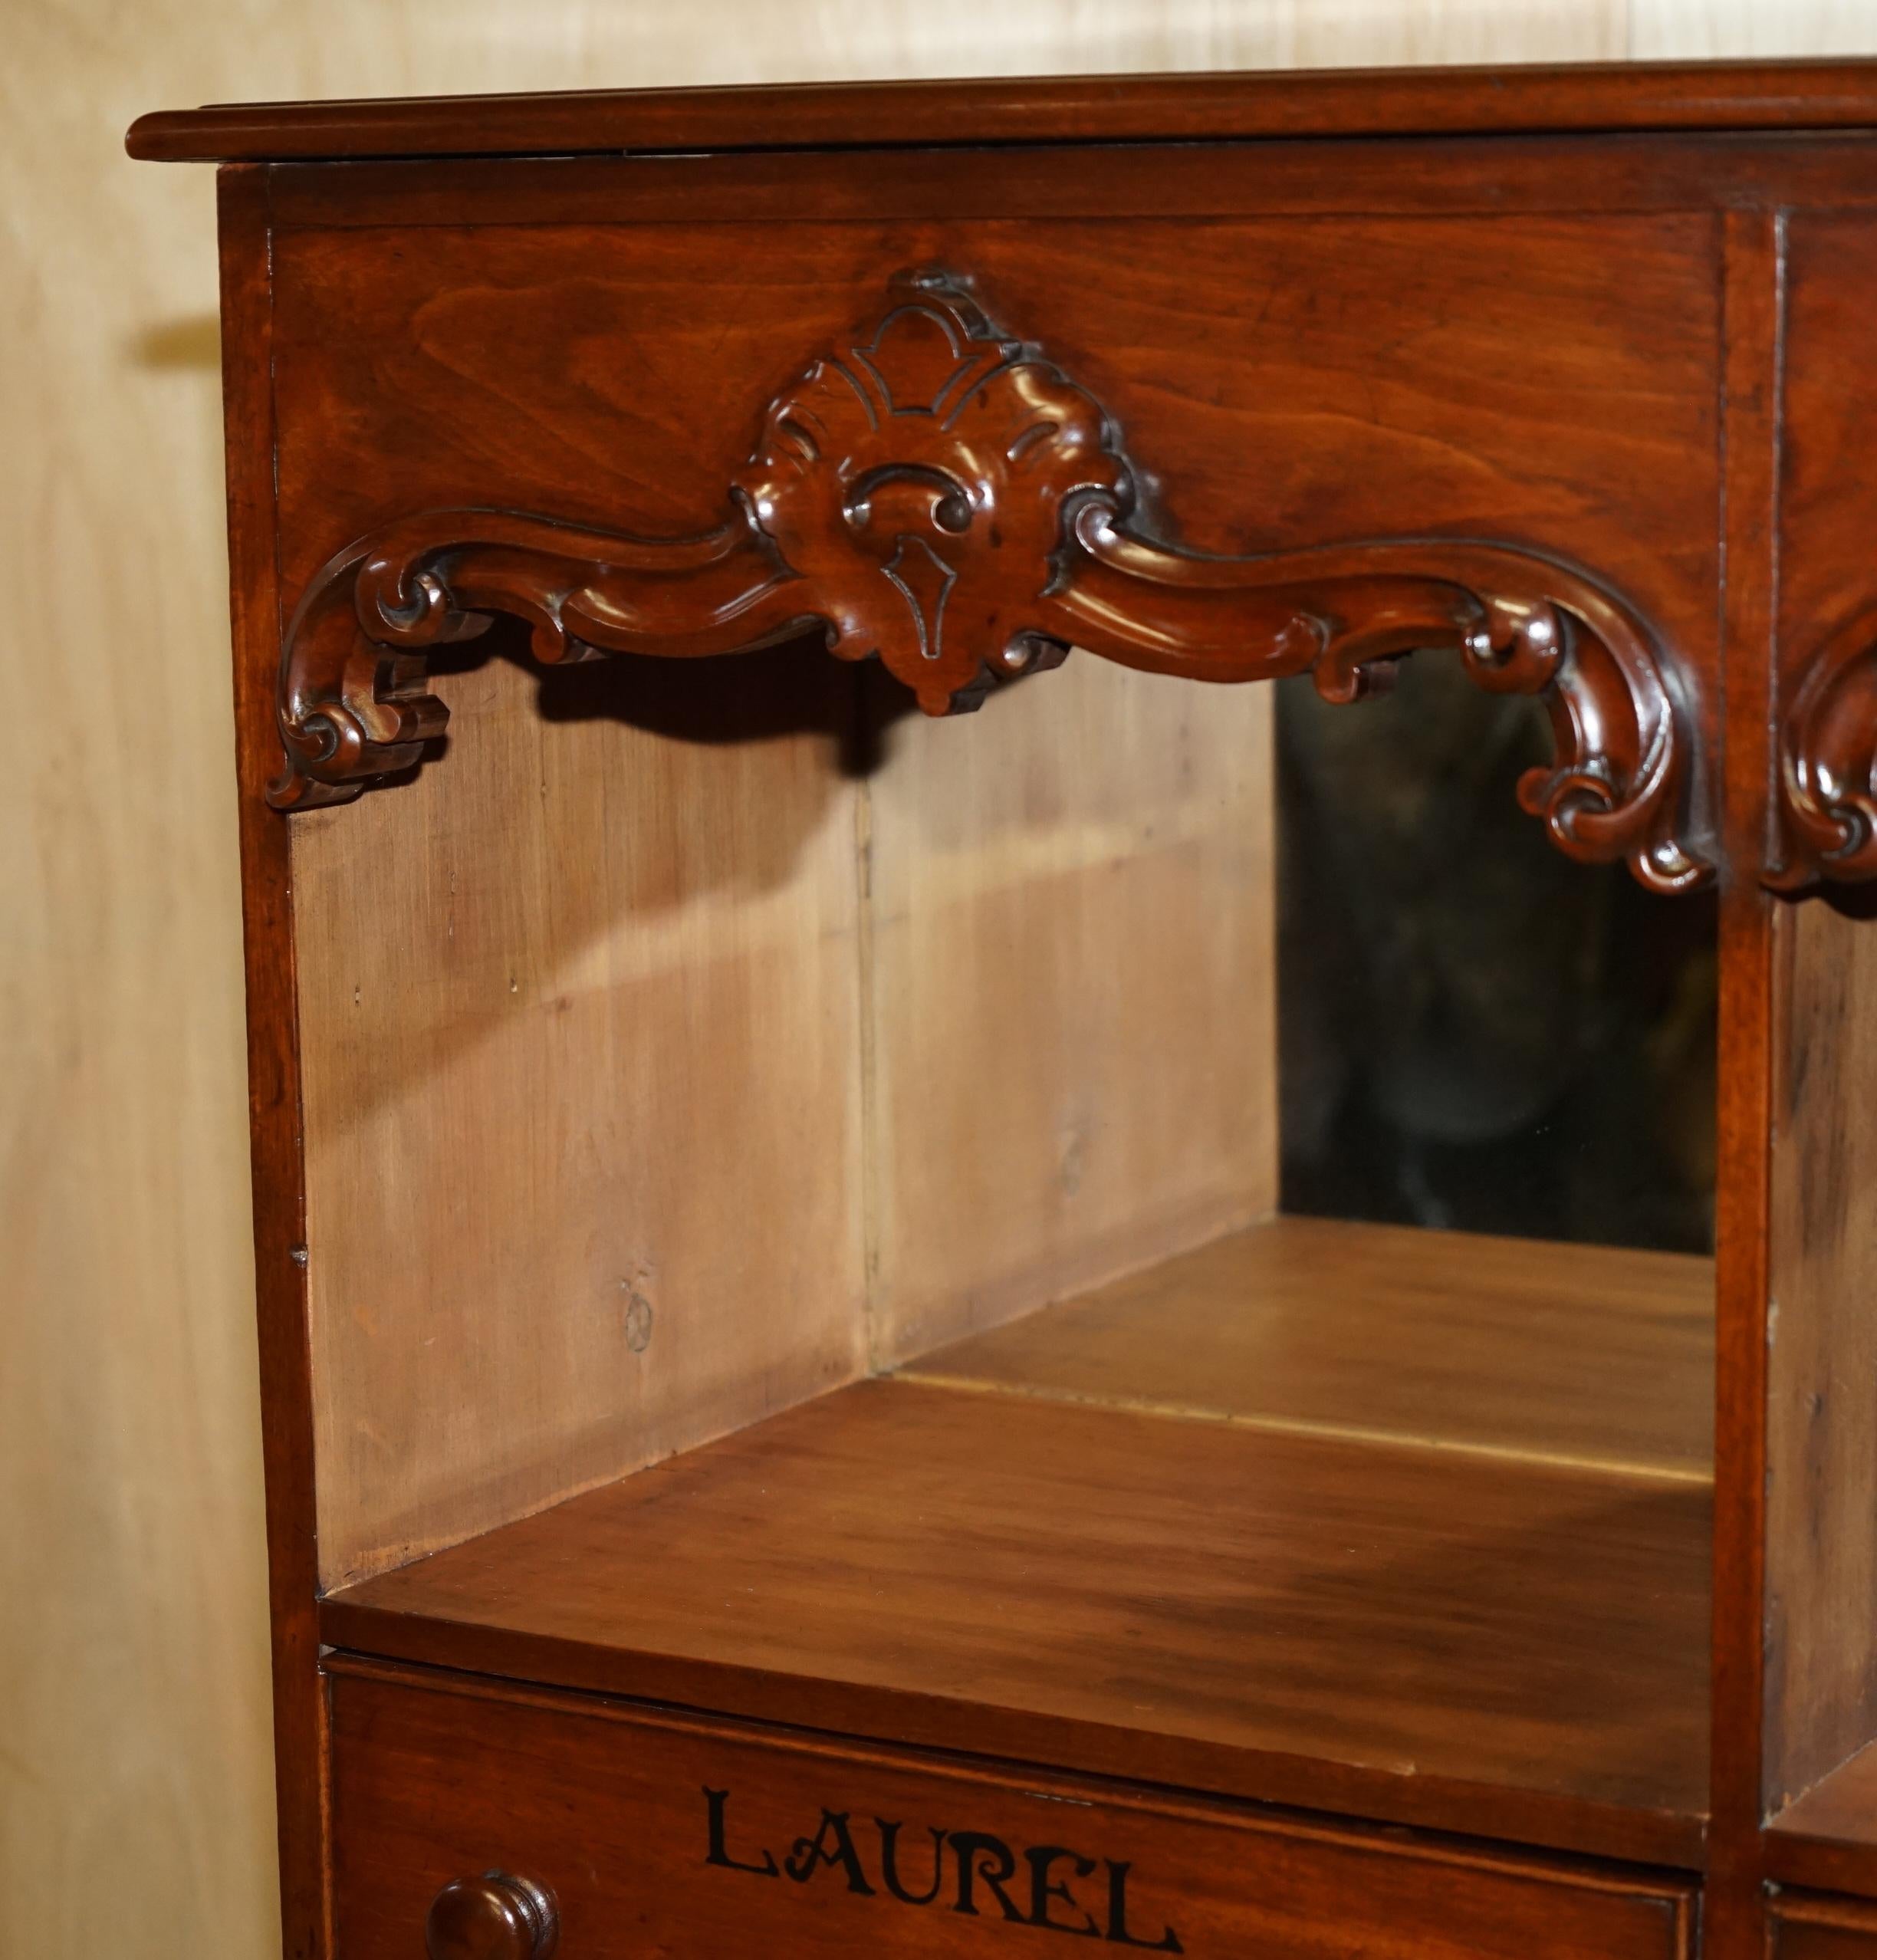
(1732, 1900)
(300, 1754)
(1821, 1530)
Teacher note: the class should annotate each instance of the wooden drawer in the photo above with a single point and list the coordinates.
(669, 1836)
(1803, 1928)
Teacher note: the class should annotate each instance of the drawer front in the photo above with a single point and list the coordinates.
(665, 1836)
(1819, 1928)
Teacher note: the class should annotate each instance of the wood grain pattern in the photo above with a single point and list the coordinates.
(1828, 648)
(376, 343)
(553, 919)
(1595, 338)
(1093, 853)
(1818, 1928)
(1558, 176)
(1828, 1836)
(583, 1087)
(1821, 1457)
(452, 1400)
(934, 492)
(519, 1290)
(1080, 108)
(1821, 1439)
(563, 916)
(612, 1807)
(1733, 1903)
(1396, 1633)
(276, 1118)
(1584, 1355)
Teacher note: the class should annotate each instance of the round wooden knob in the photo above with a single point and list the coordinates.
(495, 1917)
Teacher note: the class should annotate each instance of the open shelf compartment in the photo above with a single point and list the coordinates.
(1356, 1517)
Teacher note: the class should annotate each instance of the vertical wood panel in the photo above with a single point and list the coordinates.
(302, 1754)
(1753, 325)
(580, 1036)
(1074, 1012)
(1822, 1403)
(1821, 1353)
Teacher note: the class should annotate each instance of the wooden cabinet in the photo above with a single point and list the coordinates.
(1238, 1316)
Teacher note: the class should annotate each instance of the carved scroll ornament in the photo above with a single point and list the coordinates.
(1825, 802)
(945, 498)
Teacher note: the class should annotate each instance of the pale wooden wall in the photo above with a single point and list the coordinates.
(135, 1812)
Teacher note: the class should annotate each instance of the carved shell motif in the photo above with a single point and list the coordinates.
(943, 496)
(939, 458)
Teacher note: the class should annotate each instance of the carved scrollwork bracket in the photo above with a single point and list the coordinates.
(1825, 799)
(945, 498)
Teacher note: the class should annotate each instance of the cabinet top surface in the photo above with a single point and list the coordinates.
(1582, 100)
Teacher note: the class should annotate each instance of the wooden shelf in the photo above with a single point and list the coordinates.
(1582, 1355)
(1828, 1836)
(1340, 1516)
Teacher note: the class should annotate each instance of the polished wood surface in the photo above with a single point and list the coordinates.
(1753, 258)
(495, 1916)
(662, 1834)
(935, 494)
(1819, 1928)
(1530, 175)
(1415, 1634)
(796, 969)
(1828, 652)
(1820, 1352)
(1828, 1836)
(1581, 1357)
(1598, 336)
(276, 1115)
(1100, 108)
(474, 1360)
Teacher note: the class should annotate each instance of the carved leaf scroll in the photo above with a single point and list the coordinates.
(943, 497)
(1825, 800)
